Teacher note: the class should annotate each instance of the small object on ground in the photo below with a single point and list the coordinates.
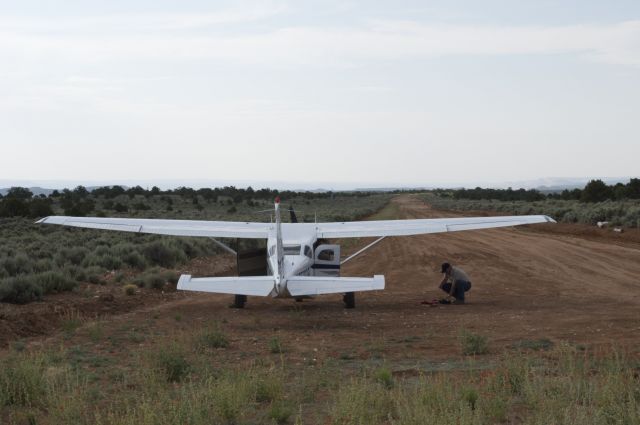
(444, 301)
(602, 224)
(617, 229)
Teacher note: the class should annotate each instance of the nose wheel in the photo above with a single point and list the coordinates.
(349, 299)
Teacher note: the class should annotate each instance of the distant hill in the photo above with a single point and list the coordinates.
(35, 190)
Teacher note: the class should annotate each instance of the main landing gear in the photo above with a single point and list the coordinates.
(239, 301)
(349, 299)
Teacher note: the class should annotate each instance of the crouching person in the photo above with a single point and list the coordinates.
(455, 282)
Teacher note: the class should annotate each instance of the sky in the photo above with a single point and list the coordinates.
(371, 93)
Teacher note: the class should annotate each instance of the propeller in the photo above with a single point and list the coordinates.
(292, 213)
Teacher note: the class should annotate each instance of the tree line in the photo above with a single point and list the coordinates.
(21, 202)
(595, 191)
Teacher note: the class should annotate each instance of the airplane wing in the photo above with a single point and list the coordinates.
(214, 229)
(350, 229)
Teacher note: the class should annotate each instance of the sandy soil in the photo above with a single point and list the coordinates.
(528, 283)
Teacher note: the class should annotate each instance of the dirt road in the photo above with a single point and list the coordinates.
(527, 285)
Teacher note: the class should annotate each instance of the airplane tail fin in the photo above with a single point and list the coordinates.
(317, 285)
(261, 286)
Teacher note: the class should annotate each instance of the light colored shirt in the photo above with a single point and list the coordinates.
(458, 274)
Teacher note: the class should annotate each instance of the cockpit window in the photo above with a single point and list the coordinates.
(326, 255)
(307, 251)
(292, 249)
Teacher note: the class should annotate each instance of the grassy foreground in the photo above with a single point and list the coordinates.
(137, 374)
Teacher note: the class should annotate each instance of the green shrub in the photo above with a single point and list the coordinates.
(135, 259)
(20, 264)
(384, 377)
(280, 412)
(473, 344)
(161, 254)
(269, 387)
(54, 282)
(22, 380)
(470, 395)
(275, 345)
(173, 363)
(95, 275)
(212, 338)
(20, 290)
(129, 289)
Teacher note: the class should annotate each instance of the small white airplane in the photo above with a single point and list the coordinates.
(298, 262)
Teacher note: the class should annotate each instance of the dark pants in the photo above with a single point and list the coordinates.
(462, 286)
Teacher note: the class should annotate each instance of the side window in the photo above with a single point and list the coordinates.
(326, 255)
(307, 251)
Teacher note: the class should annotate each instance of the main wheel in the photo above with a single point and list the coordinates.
(239, 301)
(349, 300)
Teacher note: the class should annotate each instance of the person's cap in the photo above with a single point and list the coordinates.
(445, 267)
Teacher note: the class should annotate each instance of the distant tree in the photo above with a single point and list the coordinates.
(39, 207)
(619, 191)
(633, 189)
(14, 207)
(155, 190)
(80, 192)
(596, 191)
(79, 208)
(118, 207)
(19, 193)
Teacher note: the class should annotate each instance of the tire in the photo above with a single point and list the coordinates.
(349, 300)
(239, 301)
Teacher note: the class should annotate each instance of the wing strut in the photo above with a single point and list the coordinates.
(224, 246)
(362, 250)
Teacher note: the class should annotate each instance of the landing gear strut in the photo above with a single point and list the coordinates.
(349, 299)
(238, 301)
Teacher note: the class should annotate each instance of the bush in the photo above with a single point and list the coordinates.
(269, 388)
(384, 376)
(212, 338)
(275, 345)
(280, 412)
(54, 282)
(129, 289)
(20, 290)
(22, 381)
(161, 254)
(20, 264)
(473, 344)
(172, 362)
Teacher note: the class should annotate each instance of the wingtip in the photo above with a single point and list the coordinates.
(42, 220)
(549, 219)
(184, 279)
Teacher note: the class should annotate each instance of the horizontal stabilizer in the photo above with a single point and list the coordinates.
(316, 285)
(240, 285)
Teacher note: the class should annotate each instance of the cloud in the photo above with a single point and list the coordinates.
(200, 37)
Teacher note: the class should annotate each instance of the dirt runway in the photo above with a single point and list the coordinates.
(527, 285)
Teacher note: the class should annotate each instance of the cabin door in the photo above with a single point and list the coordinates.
(327, 260)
